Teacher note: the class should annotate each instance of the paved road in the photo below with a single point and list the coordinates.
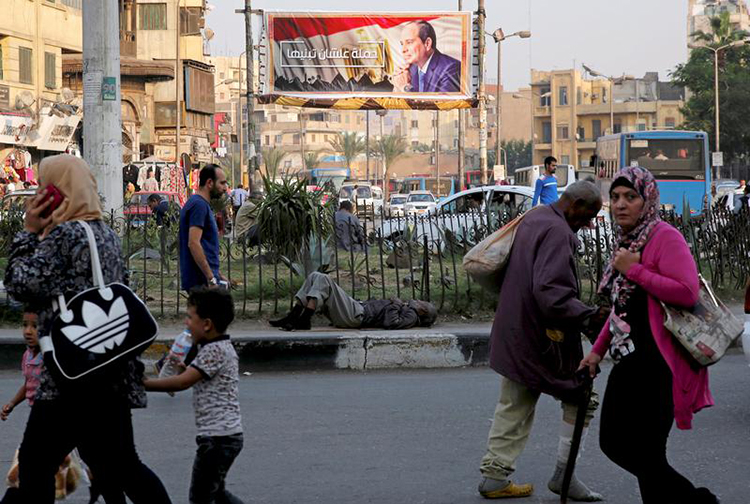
(408, 437)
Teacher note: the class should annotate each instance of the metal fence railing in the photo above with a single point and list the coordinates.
(405, 257)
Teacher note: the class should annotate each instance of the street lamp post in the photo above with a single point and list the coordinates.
(499, 36)
(716, 51)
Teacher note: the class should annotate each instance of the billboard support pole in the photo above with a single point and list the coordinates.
(367, 145)
(481, 15)
(461, 143)
(252, 159)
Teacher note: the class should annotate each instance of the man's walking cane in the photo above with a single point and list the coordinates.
(575, 444)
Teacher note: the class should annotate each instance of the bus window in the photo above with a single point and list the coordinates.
(668, 158)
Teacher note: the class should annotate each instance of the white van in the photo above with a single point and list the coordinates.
(363, 196)
(565, 175)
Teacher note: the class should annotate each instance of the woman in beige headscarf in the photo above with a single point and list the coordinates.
(51, 257)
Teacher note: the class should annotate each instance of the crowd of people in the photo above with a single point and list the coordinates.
(536, 345)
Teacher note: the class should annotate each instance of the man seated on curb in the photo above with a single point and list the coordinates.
(320, 292)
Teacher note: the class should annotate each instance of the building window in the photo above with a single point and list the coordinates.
(325, 138)
(312, 138)
(191, 20)
(415, 124)
(25, 65)
(546, 132)
(50, 70)
(564, 159)
(75, 4)
(562, 93)
(669, 122)
(617, 128)
(596, 128)
(562, 132)
(296, 139)
(641, 126)
(581, 134)
(279, 139)
(152, 16)
(268, 139)
(545, 98)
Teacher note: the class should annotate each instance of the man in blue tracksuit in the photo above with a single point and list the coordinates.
(546, 186)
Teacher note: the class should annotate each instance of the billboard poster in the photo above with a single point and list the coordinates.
(409, 56)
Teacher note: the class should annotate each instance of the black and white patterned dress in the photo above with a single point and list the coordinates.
(39, 271)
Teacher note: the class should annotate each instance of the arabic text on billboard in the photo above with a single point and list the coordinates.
(418, 56)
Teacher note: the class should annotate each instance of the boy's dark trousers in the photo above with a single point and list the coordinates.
(213, 458)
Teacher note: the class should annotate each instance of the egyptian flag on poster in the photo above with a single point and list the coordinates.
(346, 55)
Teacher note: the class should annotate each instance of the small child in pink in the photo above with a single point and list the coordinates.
(31, 366)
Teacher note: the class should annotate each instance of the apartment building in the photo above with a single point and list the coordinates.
(700, 13)
(37, 115)
(570, 112)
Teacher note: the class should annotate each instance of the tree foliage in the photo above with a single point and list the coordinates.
(272, 158)
(390, 148)
(312, 160)
(349, 145)
(518, 153)
(734, 87)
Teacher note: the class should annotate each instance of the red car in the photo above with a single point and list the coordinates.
(137, 211)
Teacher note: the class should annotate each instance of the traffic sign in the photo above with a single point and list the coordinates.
(717, 159)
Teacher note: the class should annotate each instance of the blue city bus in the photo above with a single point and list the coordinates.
(447, 185)
(678, 160)
(319, 176)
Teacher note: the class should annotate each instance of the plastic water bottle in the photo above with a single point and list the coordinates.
(177, 354)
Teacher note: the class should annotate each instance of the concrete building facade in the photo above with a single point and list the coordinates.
(37, 115)
(700, 13)
(571, 112)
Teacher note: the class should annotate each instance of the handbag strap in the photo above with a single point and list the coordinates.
(710, 291)
(96, 266)
(96, 271)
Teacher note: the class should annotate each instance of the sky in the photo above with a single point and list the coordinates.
(614, 37)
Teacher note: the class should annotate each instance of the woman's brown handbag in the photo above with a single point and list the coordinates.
(706, 330)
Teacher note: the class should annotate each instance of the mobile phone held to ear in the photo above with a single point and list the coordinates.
(55, 197)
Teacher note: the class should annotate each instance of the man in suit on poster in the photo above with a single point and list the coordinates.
(427, 70)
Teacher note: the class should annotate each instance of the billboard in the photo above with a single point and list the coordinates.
(406, 56)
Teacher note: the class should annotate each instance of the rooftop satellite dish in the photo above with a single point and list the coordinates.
(208, 33)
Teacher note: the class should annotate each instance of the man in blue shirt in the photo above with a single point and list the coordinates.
(546, 186)
(199, 235)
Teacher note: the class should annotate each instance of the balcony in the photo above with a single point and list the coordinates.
(128, 46)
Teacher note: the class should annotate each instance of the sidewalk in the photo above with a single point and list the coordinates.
(265, 348)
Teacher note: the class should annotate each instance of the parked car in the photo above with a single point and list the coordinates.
(136, 210)
(419, 203)
(395, 206)
(463, 215)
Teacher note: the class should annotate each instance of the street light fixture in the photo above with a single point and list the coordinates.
(518, 96)
(716, 51)
(612, 81)
(498, 35)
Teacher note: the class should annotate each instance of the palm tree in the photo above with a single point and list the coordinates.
(272, 157)
(722, 32)
(389, 148)
(312, 160)
(350, 145)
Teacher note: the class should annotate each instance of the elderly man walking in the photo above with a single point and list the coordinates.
(536, 340)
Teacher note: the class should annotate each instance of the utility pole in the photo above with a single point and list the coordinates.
(252, 161)
(177, 76)
(367, 144)
(461, 143)
(101, 99)
(437, 151)
(481, 18)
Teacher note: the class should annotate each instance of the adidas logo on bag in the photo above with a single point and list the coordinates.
(98, 325)
(102, 331)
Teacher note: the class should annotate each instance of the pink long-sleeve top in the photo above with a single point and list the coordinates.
(667, 273)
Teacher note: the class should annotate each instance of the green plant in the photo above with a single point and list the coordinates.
(290, 218)
(312, 160)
